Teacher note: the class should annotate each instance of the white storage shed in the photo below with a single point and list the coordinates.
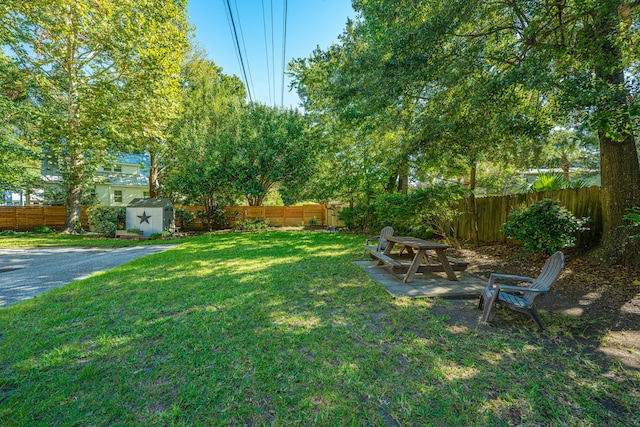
(150, 215)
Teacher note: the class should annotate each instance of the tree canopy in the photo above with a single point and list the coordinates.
(92, 67)
(461, 82)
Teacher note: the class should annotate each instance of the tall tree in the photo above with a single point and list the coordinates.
(88, 58)
(487, 73)
(271, 146)
(211, 104)
(19, 167)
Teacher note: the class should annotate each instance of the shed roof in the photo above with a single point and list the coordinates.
(150, 203)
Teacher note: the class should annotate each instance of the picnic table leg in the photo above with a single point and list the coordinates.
(417, 259)
(442, 257)
(387, 250)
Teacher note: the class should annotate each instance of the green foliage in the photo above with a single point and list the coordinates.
(184, 218)
(271, 146)
(421, 212)
(543, 227)
(98, 71)
(214, 216)
(57, 196)
(211, 103)
(358, 217)
(159, 236)
(105, 220)
(555, 181)
(43, 229)
(251, 224)
(634, 217)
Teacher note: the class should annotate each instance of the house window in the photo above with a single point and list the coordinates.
(117, 168)
(106, 168)
(117, 196)
(145, 194)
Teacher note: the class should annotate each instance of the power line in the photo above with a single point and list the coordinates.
(244, 47)
(266, 50)
(273, 56)
(284, 49)
(238, 51)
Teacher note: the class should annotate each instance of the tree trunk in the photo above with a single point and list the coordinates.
(153, 174)
(72, 222)
(566, 167)
(474, 208)
(619, 166)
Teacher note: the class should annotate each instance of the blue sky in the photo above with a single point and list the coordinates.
(309, 23)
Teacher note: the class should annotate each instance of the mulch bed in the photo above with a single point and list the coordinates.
(606, 297)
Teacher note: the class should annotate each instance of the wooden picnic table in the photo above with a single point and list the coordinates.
(418, 248)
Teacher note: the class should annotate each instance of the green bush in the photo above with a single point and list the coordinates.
(184, 218)
(634, 217)
(358, 217)
(159, 236)
(106, 220)
(422, 212)
(43, 229)
(251, 224)
(543, 227)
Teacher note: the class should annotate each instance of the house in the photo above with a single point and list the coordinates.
(126, 178)
(117, 182)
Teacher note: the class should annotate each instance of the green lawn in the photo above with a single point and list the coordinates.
(277, 328)
(28, 239)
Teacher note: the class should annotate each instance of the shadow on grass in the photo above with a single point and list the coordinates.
(280, 328)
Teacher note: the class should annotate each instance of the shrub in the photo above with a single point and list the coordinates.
(251, 224)
(358, 217)
(634, 217)
(160, 236)
(422, 212)
(184, 218)
(543, 227)
(43, 229)
(214, 216)
(106, 220)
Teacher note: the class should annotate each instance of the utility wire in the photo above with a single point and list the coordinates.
(266, 50)
(273, 56)
(244, 47)
(238, 51)
(284, 50)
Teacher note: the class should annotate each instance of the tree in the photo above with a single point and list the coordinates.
(489, 77)
(18, 156)
(271, 146)
(211, 107)
(88, 60)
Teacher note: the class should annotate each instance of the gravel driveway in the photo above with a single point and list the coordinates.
(25, 272)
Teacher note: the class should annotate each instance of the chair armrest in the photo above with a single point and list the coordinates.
(521, 289)
(371, 239)
(495, 276)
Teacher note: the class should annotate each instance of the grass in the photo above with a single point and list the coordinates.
(276, 328)
(30, 239)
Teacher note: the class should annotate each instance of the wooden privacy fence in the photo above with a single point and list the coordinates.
(26, 218)
(493, 211)
(278, 216)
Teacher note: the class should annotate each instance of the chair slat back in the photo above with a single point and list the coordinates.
(550, 273)
(384, 233)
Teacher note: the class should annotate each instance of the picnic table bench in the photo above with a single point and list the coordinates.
(417, 249)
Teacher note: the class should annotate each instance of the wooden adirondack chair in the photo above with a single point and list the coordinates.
(380, 241)
(520, 298)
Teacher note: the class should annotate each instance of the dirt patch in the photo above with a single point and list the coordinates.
(604, 301)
